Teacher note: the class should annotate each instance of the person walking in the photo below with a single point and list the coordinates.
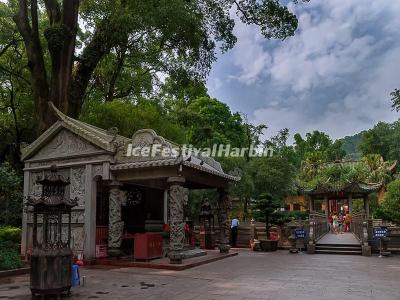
(347, 222)
(330, 221)
(340, 221)
(335, 223)
(234, 230)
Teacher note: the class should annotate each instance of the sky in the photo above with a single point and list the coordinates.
(335, 75)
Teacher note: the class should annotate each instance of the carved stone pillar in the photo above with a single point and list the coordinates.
(178, 197)
(115, 224)
(224, 205)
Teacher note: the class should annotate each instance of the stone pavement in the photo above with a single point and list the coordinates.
(341, 238)
(250, 275)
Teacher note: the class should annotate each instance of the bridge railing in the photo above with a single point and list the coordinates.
(359, 226)
(318, 226)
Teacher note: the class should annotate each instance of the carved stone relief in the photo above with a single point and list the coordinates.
(224, 204)
(178, 197)
(84, 160)
(77, 187)
(97, 170)
(116, 225)
(77, 238)
(63, 144)
(35, 189)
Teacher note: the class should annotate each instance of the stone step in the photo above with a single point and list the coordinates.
(323, 247)
(338, 245)
(344, 249)
(340, 252)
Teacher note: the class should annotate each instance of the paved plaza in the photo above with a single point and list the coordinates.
(250, 275)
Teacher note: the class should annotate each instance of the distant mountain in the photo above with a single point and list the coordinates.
(350, 145)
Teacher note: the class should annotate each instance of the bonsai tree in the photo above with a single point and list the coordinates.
(267, 206)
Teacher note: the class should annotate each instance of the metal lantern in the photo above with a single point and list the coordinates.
(206, 219)
(52, 257)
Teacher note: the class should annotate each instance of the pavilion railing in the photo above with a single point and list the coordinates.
(318, 226)
(359, 226)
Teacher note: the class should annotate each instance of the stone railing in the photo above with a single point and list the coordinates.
(359, 226)
(319, 225)
(317, 228)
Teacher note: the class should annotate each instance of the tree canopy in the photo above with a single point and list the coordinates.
(76, 50)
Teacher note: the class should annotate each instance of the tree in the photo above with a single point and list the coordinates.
(16, 110)
(382, 139)
(160, 36)
(377, 140)
(10, 196)
(129, 118)
(267, 205)
(273, 175)
(395, 99)
(390, 207)
(209, 121)
(318, 142)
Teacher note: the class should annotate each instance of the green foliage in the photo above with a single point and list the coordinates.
(390, 207)
(370, 169)
(209, 122)
(10, 238)
(273, 175)
(9, 259)
(395, 99)
(350, 144)
(383, 139)
(318, 142)
(129, 117)
(10, 196)
(10, 235)
(282, 217)
(265, 207)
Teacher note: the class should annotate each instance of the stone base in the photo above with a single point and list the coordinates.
(366, 250)
(385, 253)
(114, 252)
(193, 253)
(224, 248)
(311, 248)
(175, 258)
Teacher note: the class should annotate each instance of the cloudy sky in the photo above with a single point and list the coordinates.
(334, 75)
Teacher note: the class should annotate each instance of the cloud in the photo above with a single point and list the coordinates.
(334, 75)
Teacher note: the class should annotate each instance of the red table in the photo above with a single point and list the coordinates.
(148, 246)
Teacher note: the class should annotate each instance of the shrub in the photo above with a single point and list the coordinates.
(282, 217)
(10, 196)
(9, 258)
(10, 234)
(390, 207)
(10, 238)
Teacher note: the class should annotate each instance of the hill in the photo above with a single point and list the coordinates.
(350, 145)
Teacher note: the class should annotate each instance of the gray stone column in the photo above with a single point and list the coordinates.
(224, 205)
(89, 249)
(177, 197)
(115, 224)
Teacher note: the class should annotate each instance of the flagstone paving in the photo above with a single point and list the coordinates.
(248, 276)
(340, 238)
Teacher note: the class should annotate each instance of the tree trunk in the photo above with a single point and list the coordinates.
(68, 82)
